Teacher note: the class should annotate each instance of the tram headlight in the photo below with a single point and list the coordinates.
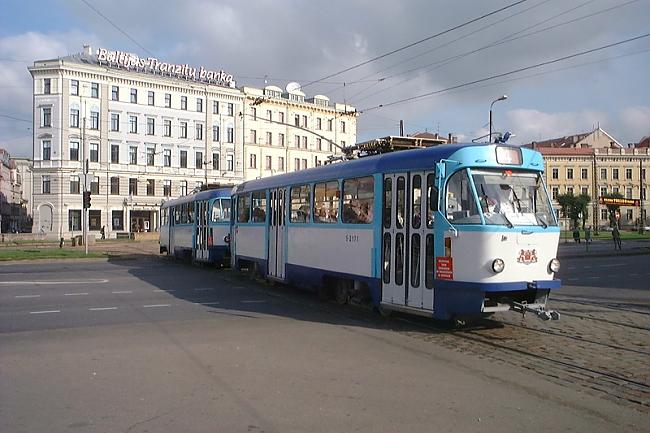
(498, 265)
(554, 265)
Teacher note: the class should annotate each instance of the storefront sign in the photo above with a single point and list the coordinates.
(129, 61)
(619, 201)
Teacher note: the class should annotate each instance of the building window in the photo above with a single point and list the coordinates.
(603, 191)
(94, 90)
(115, 122)
(296, 120)
(569, 173)
(94, 152)
(115, 153)
(628, 192)
(604, 214)
(151, 126)
(319, 123)
(603, 173)
(133, 186)
(151, 187)
(555, 191)
(94, 120)
(183, 187)
(268, 162)
(74, 118)
(167, 157)
(115, 185)
(133, 155)
(230, 163)
(252, 160)
(253, 136)
(254, 113)
(269, 115)
(46, 116)
(115, 93)
(215, 161)
(215, 107)
(281, 163)
(74, 151)
(330, 123)
(133, 124)
(569, 190)
(281, 139)
(281, 117)
(74, 87)
(199, 131)
(584, 190)
(584, 173)
(74, 220)
(304, 121)
(296, 141)
(118, 219)
(151, 155)
(183, 158)
(215, 132)
(319, 144)
(198, 160)
(199, 105)
(304, 142)
(304, 164)
(615, 173)
(269, 138)
(628, 174)
(615, 190)
(183, 133)
(74, 184)
(629, 215)
(231, 109)
(94, 185)
(134, 96)
(94, 219)
(151, 98)
(47, 150)
(168, 100)
(183, 102)
(343, 126)
(167, 188)
(230, 135)
(46, 184)
(167, 124)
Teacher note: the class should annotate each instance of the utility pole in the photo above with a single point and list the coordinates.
(85, 187)
(641, 219)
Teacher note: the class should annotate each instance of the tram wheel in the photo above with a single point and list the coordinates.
(384, 312)
(341, 293)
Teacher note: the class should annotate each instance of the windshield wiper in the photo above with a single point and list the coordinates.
(541, 221)
(508, 223)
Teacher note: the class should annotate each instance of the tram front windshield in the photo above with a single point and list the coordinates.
(505, 197)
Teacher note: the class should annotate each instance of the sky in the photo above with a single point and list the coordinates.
(418, 58)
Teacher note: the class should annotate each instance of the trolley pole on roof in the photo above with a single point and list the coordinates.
(502, 98)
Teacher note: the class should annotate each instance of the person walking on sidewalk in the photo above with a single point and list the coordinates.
(576, 234)
(616, 235)
(588, 234)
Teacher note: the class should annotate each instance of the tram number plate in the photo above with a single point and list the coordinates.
(444, 268)
(351, 238)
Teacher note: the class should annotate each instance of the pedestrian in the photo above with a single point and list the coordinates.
(103, 232)
(576, 234)
(616, 235)
(588, 234)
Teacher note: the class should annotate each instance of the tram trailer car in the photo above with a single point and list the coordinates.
(450, 232)
(197, 226)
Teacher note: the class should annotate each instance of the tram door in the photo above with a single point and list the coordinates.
(407, 241)
(201, 234)
(277, 233)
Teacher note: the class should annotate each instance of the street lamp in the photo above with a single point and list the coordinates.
(502, 98)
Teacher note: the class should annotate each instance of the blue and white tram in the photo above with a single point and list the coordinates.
(197, 226)
(451, 231)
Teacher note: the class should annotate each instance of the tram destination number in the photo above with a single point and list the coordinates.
(351, 238)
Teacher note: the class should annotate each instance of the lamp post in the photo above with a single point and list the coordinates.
(502, 98)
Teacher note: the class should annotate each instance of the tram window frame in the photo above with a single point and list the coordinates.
(300, 203)
(243, 208)
(432, 199)
(463, 209)
(258, 204)
(327, 197)
(416, 201)
(358, 200)
(387, 207)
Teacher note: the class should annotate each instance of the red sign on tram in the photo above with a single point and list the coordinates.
(444, 268)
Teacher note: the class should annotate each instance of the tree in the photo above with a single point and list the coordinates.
(574, 207)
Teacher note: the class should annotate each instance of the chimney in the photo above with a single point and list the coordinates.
(449, 138)
(88, 51)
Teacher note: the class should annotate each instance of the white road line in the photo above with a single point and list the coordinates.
(156, 305)
(102, 308)
(123, 291)
(253, 302)
(165, 291)
(206, 303)
(45, 312)
(55, 282)
(75, 294)
(27, 296)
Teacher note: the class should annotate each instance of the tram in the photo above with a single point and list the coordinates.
(450, 232)
(197, 226)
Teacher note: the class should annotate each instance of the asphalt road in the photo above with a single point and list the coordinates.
(152, 345)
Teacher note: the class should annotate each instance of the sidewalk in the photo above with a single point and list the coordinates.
(602, 248)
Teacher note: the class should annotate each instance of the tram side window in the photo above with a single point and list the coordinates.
(189, 213)
(259, 207)
(358, 200)
(164, 216)
(461, 206)
(243, 208)
(416, 202)
(432, 199)
(300, 202)
(225, 209)
(326, 202)
(177, 216)
(387, 209)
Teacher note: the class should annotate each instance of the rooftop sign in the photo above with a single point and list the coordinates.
(129, 61)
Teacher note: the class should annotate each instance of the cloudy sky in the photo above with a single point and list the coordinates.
(278, 41)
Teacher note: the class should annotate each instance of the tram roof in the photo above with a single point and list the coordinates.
(202, 195)
(405, 160)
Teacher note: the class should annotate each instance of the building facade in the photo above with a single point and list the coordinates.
(14, 216)
(136, 132)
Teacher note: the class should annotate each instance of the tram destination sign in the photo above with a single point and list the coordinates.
(132, 62)
(613, 201)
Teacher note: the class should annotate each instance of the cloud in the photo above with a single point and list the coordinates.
(534, 125)
(636, 121)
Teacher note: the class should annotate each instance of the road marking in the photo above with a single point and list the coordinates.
(614, 264)
(206, 303)
(75, 294)
(27, 296)
(53, 282)
(123, 291)
(253, 302)
(45, 312)
(102, 308)
(156, 305)
(203, 289)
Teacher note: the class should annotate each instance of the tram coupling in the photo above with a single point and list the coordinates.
(540, 312)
